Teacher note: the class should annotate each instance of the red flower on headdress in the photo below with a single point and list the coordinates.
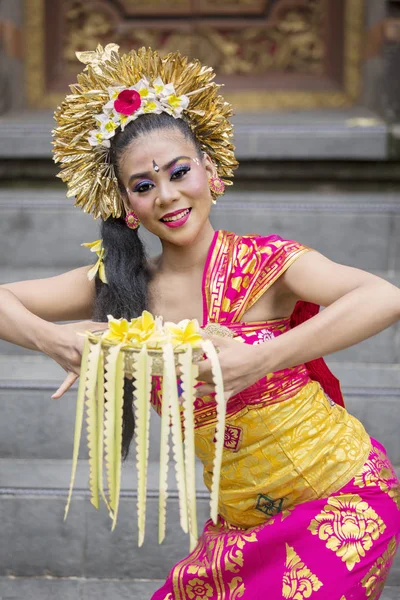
(128, 102)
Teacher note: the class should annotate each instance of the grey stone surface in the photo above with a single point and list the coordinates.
(44, 230)
(40, 589)
(52, 476)
(394, 573)
(76, 589)
(380, 418)
(356, 133)
(395, 250)
(35, 426)
(36, 541)
(120, 590)
(356, 374)
(91, 589)
(383, 348)
(349, 237)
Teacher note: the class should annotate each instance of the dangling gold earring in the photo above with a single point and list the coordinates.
(216, 185)
(132, 220)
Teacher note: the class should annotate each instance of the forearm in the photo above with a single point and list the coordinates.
(19, 326)
(356, 316)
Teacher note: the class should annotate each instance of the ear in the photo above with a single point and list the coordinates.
(209, 165)
(125, 199)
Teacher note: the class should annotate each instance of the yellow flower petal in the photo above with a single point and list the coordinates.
(102, 273)
(147, 320)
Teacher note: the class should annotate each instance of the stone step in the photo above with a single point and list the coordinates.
(350, 225)
(35, 426)
(37, 542)
(50, 588)
(355, 133)
(92, 589)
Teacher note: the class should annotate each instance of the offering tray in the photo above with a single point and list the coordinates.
(137, 350)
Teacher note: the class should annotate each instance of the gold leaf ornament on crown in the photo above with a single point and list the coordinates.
(86, 168)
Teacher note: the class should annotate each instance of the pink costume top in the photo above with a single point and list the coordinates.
(288, 438)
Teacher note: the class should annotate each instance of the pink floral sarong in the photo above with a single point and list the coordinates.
(335, 548)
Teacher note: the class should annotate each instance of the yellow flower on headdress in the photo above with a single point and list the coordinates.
(97, 247)
(184, 332)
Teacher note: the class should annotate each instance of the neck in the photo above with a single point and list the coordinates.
(189, 257)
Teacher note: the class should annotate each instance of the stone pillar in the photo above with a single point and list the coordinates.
(374, 65)
(11, 63)
(392, 62)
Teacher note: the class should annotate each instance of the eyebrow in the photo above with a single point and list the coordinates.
(164, 168)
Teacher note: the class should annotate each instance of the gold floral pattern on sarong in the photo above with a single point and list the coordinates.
(378, 471)
(196, 589)
(233, 436)
(374, 581)
(298, 581)
(218, 555)
(349, 526)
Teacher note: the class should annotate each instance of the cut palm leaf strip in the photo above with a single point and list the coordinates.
(164, 457)
(220, 426)
(119, 409)
(100, 424)
(91, 421)
(80, 405)
(142, 373)
(109, 422)
(188, 377)
(177, 445)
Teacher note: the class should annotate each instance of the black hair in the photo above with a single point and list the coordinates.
(128, 275)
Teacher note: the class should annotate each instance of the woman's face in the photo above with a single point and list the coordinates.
(167, 185)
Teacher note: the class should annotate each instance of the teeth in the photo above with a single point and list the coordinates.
(176, 217)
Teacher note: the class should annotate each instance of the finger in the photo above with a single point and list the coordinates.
(219, 341)
(66, 384)
(204, 368)
(204, 390)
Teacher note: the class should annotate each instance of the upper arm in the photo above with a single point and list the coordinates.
(315, 278)
(66, 297)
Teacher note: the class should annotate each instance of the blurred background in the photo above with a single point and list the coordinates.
(316, 89)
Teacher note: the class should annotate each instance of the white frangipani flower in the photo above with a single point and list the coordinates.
(156, 97)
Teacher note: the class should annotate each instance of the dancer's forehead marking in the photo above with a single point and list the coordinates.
(155, 166)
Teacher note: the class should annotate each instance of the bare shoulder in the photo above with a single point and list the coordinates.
(66, 297)
(315, 278)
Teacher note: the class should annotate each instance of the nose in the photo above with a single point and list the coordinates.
(167, 193)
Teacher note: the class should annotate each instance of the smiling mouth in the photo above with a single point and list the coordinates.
(176, 217)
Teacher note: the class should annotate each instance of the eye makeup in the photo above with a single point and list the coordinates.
(178, 169)
(181, 167)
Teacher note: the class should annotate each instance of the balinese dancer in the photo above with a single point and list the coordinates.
(309, 504)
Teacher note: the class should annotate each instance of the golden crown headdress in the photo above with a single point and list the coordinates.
(87, 119)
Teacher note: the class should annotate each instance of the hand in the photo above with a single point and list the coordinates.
(66, 347)
(241, 365)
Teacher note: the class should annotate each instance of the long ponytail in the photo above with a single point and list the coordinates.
(125, 295)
